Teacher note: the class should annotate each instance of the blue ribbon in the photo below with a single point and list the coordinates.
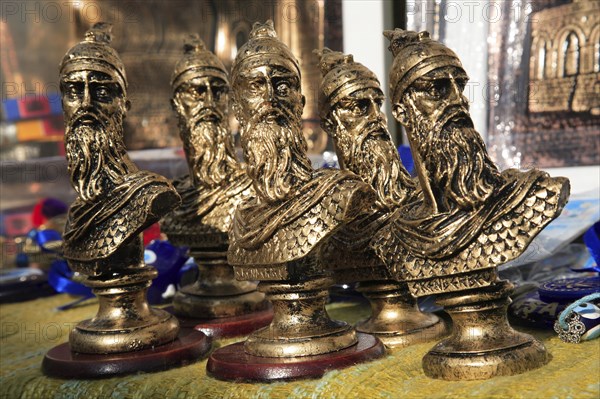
(407, 159)
(43, 237)
(60, 278)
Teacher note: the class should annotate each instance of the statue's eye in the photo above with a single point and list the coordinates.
(255, 85)
(283, 89)
(72, 89)
(360, 108)
(102, 92)
(219, 92)
(201, 91)
(439, 87)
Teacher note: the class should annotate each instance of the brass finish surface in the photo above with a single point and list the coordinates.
(351, 101)
(300, 326)
(277, 236)
(482, 344)
(395, 317)
(470, 216)
(216, 293)
(467, 219)
(212, 190)
(115, 203)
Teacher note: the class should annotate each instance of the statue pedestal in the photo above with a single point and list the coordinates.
(217, 304)
(395, 317)
(301, 341)
(482, 345)
(126, 335)
(301, 325)
(124, 321)
(62, 362)
(234, 364)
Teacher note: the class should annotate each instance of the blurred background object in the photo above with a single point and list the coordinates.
(148, 36)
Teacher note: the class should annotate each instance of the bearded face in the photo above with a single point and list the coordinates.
(275, 151)
(269, 105)
(95, 151)
(364, 146)
(202, 105)
(459, 171)
(371, 154)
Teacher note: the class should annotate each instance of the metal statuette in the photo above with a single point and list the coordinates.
(212, 190)
(468, 219)
(351, 100)
(276, 236)
(116, 202)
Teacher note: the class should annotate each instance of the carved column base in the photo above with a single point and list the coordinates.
(395, 317)
(482, 345)
(124, 322)
(301, 325)
(216, 293)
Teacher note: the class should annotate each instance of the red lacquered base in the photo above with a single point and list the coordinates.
(189, 346)
(233, 364)
(227, 327)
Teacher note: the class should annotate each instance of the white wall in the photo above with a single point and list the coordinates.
(363, 34)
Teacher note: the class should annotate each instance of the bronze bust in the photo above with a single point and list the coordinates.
(215, 185)
(116, 202)
(276, 237)
(469, 219)
(351, 100)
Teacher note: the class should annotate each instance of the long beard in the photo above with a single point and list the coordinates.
(95, 156)
(375, 159)
(210, 154)
(276, 157)
(462, 174)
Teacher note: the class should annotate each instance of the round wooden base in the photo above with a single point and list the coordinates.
(232, 363)
(61, 362)
(227, 327)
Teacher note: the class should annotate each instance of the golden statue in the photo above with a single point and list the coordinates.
(351, 114)
(116, 203)
(276, 237)
(102, 239)
(468, 219)
(216, 184)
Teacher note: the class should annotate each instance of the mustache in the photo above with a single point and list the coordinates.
(268, 113)
(86, 116)
(207, 114)
(453, 113)
(376, 130)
